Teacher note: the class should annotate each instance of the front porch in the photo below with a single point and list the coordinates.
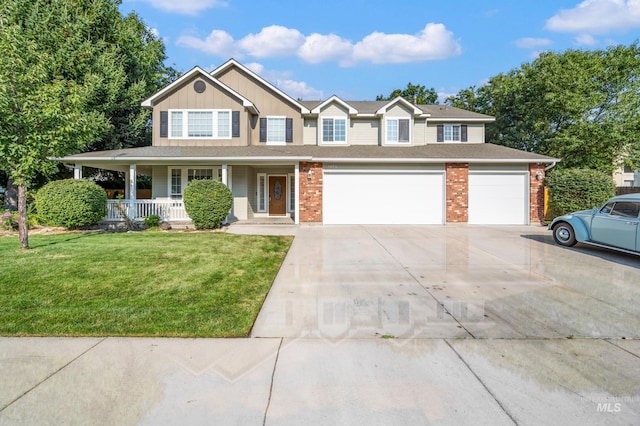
(167, 210)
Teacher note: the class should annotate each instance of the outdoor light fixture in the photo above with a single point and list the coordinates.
(538, 176)
(309, 174)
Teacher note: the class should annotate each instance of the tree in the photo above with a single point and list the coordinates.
(67, 79)
(413, 93)
(581, 106)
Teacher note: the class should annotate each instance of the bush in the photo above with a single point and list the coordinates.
(578, 189)
(152, 221)
(207, 203)
(71, 203)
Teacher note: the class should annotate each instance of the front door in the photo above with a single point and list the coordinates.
(277, 195)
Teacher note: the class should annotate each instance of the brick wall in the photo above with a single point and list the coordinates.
(457, 186)
(310, 192)
(536, 193)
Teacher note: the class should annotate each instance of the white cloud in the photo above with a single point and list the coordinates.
(597, 16)
(255, 67)
(532, 43)
(218, 42)
(184, 7)
(272, 41)
(433, 42)
(585, 40)
(298, 89)
(322, 48)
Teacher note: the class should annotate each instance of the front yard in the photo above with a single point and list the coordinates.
(198, 284)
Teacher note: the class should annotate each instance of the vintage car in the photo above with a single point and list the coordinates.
(614, 225)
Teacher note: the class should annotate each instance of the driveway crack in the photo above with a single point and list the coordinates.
(273, 374)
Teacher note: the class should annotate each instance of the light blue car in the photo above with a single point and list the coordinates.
(614, 225)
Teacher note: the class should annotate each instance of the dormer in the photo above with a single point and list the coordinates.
(333, 121)
(400, 123)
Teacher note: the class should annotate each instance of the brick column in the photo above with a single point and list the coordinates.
(536, 193)
(310, 192)
(457, 192)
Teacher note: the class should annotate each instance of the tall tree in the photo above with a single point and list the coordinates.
(581, 106)
(413, 93)
(67, 80)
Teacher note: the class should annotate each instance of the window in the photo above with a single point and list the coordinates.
(398, 130)
(180, 177)
(452, 133)
(334, 130)
(292, 192)
(625, 209)
(262, 192)
(200, 124)
(275, 129)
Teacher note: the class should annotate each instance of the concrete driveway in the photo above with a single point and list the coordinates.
(372, 325)
(479, 282)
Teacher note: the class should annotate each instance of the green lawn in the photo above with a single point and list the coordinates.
(136, 284)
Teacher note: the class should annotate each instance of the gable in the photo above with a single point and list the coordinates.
(197, 93)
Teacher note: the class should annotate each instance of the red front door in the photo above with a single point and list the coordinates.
(277, 195)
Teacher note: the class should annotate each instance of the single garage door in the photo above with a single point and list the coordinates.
(374, 197)
(498, 198)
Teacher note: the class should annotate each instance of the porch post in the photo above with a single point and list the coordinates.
(77, 171)
(225, 177)
(131, 176)
(296, 179)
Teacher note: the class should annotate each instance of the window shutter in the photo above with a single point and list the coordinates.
(440, 133)
(164, 124)
(289, 130)
(235, 124)
(263, 130)
(403, 131)
(463, 133)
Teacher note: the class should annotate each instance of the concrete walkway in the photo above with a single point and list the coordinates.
(373, 326)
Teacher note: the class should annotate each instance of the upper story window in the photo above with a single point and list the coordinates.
(194, 124)
(276, 130)
(398, 130)
(334, 130)
(452, 133)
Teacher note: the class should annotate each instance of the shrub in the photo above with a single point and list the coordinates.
(152, 221)
(207, 203)
(577, 189)
(9, 220)
(71, 203)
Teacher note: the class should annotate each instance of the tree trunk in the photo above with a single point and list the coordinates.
(10, 196)
(23, 230)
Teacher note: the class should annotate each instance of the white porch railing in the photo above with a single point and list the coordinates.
(166, 209)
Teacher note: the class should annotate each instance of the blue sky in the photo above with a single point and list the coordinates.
(358, 49)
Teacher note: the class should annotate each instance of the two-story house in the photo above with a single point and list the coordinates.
(332, 161)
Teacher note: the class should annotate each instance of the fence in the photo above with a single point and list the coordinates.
(117, 210)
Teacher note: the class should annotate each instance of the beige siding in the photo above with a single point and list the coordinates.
(475, 132)
(268, 102)
(419, 136)
(364, 132)
(185, 97)
(310, 131)
(160, 182)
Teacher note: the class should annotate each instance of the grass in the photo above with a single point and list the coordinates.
(199, 284)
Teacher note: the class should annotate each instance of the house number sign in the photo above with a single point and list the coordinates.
(277, 190)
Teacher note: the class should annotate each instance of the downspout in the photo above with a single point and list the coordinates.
(546, 169)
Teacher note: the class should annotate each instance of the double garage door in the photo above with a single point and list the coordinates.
(398, 196)
(417, 196)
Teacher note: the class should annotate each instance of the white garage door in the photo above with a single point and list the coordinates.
(369, 197)
(498, 198)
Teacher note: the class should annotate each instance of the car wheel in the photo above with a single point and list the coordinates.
(564, 234)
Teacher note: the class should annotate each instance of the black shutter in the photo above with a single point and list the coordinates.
(235, 124)
(164, 124)
(463, 132)
(440, 132)
(289, 130)
(263, 130)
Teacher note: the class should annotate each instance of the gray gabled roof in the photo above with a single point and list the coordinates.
(432, 153)
(435, 112)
